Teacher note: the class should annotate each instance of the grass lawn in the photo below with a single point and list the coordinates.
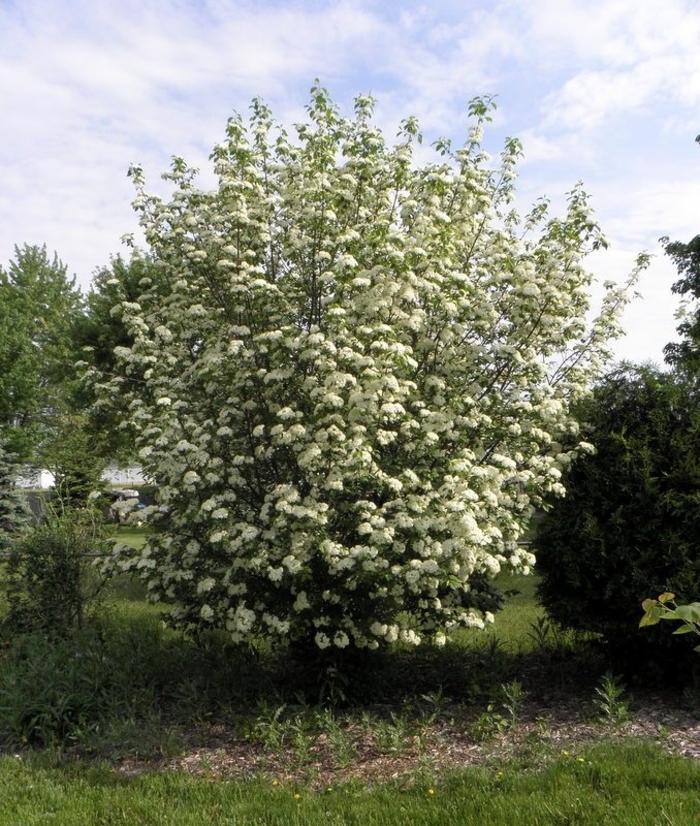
(515, 624)
(628, 784)
(132, 536)
(126, 722)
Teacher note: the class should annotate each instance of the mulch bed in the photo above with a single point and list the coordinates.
(542, 733)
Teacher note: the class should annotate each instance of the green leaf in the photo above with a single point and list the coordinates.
(689, 613)
(652, 616)
(684, 629)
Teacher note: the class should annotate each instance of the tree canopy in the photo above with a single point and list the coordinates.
(100, 332)
(39, 307)
(685, 355)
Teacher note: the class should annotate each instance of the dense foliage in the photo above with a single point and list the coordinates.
(685, 354)
(97, 335)
(39, 308)
(630, 521)
(14, 514)
(351, 378)
(48, 576)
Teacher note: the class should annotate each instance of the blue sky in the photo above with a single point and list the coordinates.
(604, 91)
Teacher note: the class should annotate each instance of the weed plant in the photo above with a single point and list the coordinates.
(609, 700)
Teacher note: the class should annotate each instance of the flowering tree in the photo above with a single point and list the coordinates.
(350, 377)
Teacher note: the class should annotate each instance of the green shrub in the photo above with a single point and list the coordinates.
(48, 576)
(630, 522)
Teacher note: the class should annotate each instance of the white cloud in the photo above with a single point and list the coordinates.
(621, 56)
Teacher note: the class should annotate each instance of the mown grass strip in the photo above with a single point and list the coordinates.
(631, 784)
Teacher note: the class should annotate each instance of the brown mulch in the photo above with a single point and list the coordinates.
(452, 741)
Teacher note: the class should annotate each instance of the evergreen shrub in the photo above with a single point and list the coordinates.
(629, 524)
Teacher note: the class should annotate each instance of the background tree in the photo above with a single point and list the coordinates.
(100, 331)
(14, 513)
(352, 379)
(685, 355)
(75, 460)
(39, 308)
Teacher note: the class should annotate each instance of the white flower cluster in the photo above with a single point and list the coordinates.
(356, 375)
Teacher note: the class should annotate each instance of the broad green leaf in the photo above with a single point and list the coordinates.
(688, 613)
(652, 616)
(684, 629)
